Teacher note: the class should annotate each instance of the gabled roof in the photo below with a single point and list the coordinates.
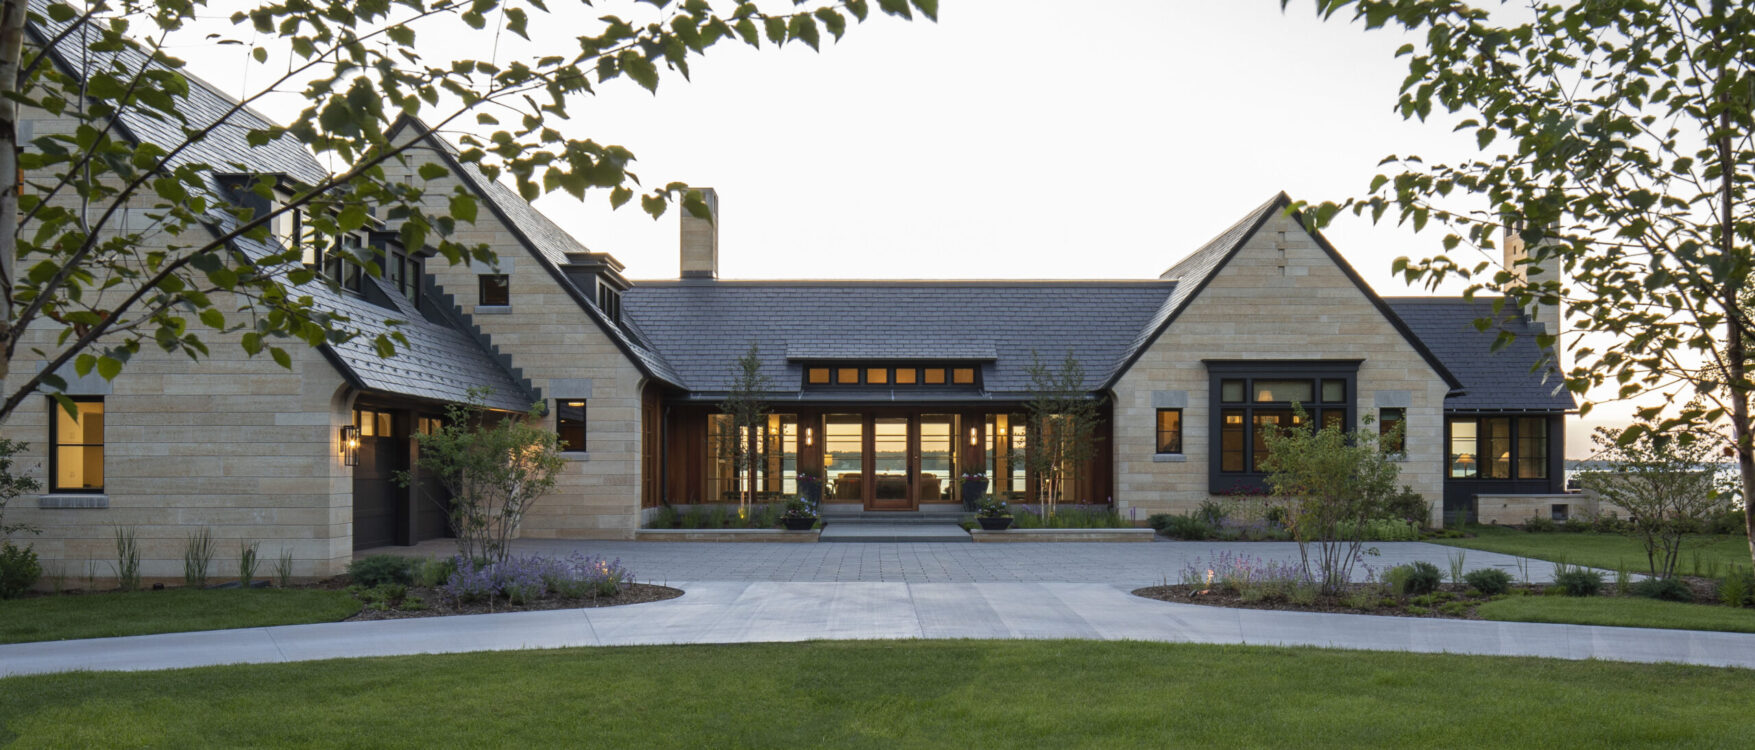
(548, 244)
(704, 327)
(439, 362)
(1492, 381)
(1196, 271)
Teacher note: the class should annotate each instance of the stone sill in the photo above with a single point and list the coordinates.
(493, 310)
(575, 456)
(1169, 458)
(1063, 535)
(73, 501)
(726, 535)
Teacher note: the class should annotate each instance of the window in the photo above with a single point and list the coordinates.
(396, 271)
(1559, 511)
(963, 376)
(1496, 448)
(934, 375)
(570, 424)
(1169, 430)
(77, 457)
(341, 267)
(1464, 453)
(374, 423)
(847, 376)
(907, 376)
(876, 376)
(1532, 448)
(1387, 421)
(609, 301)
(496, 290)
(772, 472)
(1250, 400)
(818, 376)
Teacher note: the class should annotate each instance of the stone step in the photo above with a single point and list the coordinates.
(895, 517)
(894, 532)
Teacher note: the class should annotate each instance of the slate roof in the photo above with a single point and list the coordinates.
(549, 244)
(1492, 380)
(703, 327)
(439, 362)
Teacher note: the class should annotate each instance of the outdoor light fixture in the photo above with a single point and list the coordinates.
(972, 436)
(575, 403)
(808, 435)
(350, 445)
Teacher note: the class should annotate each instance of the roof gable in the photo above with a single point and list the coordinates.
(1503, 380)
(1197, 271)
(547, 243)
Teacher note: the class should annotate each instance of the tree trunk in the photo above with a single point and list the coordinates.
(11, 56)
(1737, 345)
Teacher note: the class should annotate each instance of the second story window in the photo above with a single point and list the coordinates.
(495, 290)
(340, 267)
(882, 375)
(609, 301)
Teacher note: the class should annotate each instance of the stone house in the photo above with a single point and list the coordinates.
(886, 392)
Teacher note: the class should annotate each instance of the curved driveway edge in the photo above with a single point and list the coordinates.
(750, 612)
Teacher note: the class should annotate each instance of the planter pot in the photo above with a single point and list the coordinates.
(973, 490)
(994, 524)
(798, 524)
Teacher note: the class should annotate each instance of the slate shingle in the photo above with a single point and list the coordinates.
(1491, 380)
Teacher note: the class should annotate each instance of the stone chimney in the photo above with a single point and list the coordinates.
(1547, 317)
(700, 240)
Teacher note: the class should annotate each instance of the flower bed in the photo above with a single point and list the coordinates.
(433, 588)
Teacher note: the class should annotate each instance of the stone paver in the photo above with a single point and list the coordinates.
(751, 611)
(1048, 562)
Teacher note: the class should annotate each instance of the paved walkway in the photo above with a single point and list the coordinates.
(743, 612)
(1131, 565)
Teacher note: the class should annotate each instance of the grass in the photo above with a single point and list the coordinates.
(1620, 611)
(1715, 554)
(1024, 694)
(49, 618)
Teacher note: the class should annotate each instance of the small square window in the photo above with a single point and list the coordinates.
(934, 376)
(1231, 391)
(877, 375)
(907, 376)
(847, 376)
(1560, 511)
(819, 375)
(963, 376)
(570, 424)
(1334, 391)
(496, 290)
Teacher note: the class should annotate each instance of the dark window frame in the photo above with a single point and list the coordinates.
(55, 446)
(1174, 445)
(1315, 370)
(1514, 445)
(570, 415)
(503, 293)
(879, 374)
(1384, 425)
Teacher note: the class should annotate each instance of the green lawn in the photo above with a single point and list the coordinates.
(1606, 551)
(897, 694)
(1621, 611)
(51, 618)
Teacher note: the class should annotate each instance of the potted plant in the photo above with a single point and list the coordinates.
(798, 516)
(993, 515)
(810, 488)
(974, 487)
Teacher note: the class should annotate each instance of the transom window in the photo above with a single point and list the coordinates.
(881, 375)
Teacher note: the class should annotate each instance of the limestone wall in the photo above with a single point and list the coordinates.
(1256, 309)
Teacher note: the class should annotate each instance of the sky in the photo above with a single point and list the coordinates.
(1012, 139)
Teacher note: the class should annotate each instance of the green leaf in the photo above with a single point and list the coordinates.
(280, 357)
(463, 207)
(109, 367)
(433, 171)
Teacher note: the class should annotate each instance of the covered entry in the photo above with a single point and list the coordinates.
(384, 512)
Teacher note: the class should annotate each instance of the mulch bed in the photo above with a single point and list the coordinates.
(438, 605)
(1448, 595)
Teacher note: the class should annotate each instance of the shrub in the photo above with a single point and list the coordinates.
(1414, 579)
(1489, 581)
(376, 570)
(470, 582)
(247, 562)
(695, 518)
(1228, 571)
(1541, 525)
(1382, 530)
(1667, 589)
(1211, 513)
(1579, 582)
(283, 568)
(1737, 589)
(434, 573)
(1729, 522)
(1408, 505)
(19, 570)
(1191, 528)
(522, 580)
(667, 518)
(1608, 524)
(1575, 526)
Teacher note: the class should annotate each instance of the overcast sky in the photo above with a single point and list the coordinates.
(1013, 139)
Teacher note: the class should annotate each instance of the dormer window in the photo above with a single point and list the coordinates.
(884, 375)
(286, 227)
(609, 301)
(340, 267)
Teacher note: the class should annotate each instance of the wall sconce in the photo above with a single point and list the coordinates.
(972, 440)
(350, 445)
(809, 436)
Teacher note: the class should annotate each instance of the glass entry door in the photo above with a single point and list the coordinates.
(892, 482)
(937, 479)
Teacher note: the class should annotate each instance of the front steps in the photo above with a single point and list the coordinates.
(893, 526)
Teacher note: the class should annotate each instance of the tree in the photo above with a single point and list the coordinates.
(1667, 481)
(72, 268)
(1061, 429)
(1333, 484)
(1615, 143)
(13, 484)
(494, 468)
(746, 415)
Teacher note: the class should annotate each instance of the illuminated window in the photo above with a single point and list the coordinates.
(847, 376)
(818, 375)
(77, 457)
(934, 376)
(495, 290)
(1169, 430)
(907, 376)
(570, 424)
(963, 376)
(877, 376)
